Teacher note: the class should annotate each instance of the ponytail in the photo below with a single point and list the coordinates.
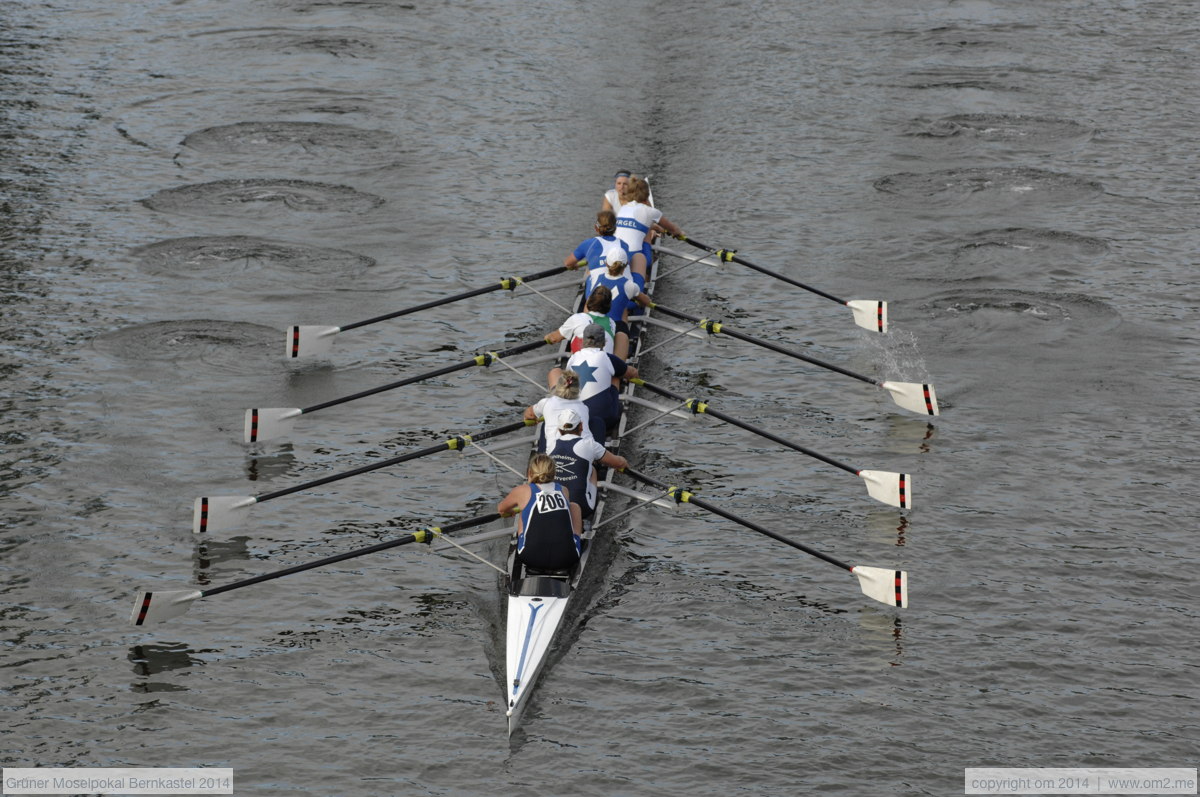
(541, 469)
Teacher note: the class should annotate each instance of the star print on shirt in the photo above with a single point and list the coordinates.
(587, 373)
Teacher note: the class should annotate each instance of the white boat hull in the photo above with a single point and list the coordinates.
(533, 622)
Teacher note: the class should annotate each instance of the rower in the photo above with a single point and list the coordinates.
(549, 523)
(575, 457)
(596, 311)
(612, 197)
(626, 289)
(592, 250)
(637, 219)
(564, 395)
(599, 374)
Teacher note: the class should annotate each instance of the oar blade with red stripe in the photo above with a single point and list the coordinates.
(869, 314)
(883, 585)
(913, 396)
(155, 607)
(267, 423)
(219, 512)
(893, 489)
(309, 341)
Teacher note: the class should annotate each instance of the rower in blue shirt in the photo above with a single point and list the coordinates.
(592, 250)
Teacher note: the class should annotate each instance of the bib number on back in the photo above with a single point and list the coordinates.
(551, 502)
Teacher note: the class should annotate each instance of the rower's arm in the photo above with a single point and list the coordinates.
(576, 519)
(670, 226)
(554, 337)
(614, 461)
(511, 503)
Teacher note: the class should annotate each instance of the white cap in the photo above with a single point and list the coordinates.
(616, 254)
(568, 419)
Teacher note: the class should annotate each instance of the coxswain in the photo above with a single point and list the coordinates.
(612, 197)
(549, 523)
(575, 458)
(594, 249)
(636, 219)
(564, 395)
(599, 374)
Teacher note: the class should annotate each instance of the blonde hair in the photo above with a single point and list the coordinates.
(541, 468)
(637, 189)
(567, 386)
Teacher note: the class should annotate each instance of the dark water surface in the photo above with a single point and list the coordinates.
(181, 180)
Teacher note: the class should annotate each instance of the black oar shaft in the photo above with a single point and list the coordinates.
(700, 406)
(454, 443)
(506, 284)
(483, 359)
(683, 496)
(420, 536)
(725, 254)
(718, 327)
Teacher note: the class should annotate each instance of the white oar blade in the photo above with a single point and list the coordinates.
(913, 396)
(885, 586)
(309, 341)
(893, 489)
(154, 607)
(218, 512)
(870, 314)
(267, 423)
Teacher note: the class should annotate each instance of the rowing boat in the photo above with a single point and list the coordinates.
(537, 602)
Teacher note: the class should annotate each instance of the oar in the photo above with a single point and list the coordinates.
(881, 584)
(214, 513)
(868, 313)
(154, 607)
(316, 341)
(265, 423)
(894, 489)
(913, 396)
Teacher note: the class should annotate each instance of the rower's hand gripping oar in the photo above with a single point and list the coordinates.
(155, 607)
(266, 423)
(868, 313)
(316, 341)
(893, 489)
(214, 513)
(912, 396)
(878, 583)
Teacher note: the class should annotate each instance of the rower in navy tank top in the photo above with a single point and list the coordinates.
(575, 458)
(549, 523)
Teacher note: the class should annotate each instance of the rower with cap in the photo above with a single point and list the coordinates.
(599, 374)
(575, 458)
(627, 290)
(549, 521)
